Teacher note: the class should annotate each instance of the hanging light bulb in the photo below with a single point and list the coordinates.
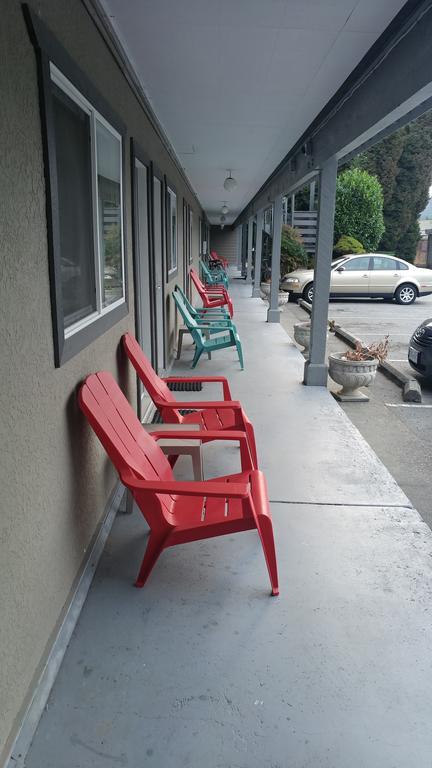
(224, 208)
(230, 182)
(223, 218)
(222, 226)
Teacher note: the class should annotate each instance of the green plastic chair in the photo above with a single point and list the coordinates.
(224, 333)
(216, 277)
(203, 314)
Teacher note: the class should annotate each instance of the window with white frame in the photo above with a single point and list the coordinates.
(89, 185)
(172, 230)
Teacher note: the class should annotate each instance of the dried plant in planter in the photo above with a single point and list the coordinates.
(376, 351)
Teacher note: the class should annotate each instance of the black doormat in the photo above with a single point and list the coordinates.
(185, 386)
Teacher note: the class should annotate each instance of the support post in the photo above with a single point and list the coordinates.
(273, 314)
(315, 371)
(250, 250)
(256, 293)
(292, 209)
(239, 247)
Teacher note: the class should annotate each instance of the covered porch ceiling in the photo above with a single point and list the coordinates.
(235, 83)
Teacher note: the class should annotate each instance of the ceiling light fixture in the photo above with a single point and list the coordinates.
(223, 218)
(224, 208)
(230, 182)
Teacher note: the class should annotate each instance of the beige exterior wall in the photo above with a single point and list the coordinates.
(224, 241)
(55, 478)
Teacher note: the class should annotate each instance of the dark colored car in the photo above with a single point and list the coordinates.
(420, 349)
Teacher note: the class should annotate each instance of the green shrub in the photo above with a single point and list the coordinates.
(359, 208)
(347, 244)
(293, 252)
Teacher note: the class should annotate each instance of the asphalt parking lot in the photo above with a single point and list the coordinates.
(372, 319)
(400, 433)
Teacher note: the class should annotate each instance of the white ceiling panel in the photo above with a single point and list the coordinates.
(235, 83)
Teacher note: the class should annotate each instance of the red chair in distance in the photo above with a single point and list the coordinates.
(176, 512)
(215, 257)
(226, 414)
(212, 297)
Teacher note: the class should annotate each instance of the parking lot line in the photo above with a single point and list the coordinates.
(408, 405)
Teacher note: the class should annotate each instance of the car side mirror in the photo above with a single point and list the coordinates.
(340, 269)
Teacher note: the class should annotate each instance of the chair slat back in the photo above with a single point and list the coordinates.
(189, 321)
(197, 282)
(156, 387)
(127, 444)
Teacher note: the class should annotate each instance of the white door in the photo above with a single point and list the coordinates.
(142, 273)
(158, 271)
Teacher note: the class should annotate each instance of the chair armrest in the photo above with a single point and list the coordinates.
(234, 405)
(200, 434)
(179, 488)
(210, 379)
(216, 326)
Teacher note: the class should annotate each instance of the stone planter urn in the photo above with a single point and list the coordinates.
(352, 374)
(302, 333)
(283, 296)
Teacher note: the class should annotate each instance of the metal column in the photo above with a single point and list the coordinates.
(256, 293)
(250, 251)
(315, 371)
(273, 314)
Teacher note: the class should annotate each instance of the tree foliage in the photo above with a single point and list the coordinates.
(293, 252)
(346, 245)
(403, 164)
(359, 208)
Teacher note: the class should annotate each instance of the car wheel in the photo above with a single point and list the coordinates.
(406, 294)
(308, 293)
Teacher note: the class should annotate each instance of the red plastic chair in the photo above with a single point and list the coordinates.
(212, 297)
(176, 512)
(227, 414)
(215, 257)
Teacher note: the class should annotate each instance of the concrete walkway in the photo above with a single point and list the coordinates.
(203, 669)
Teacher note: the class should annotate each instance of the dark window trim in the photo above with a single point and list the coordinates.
(158, 174)
(47, 50)
(170, 274)
(137, 153)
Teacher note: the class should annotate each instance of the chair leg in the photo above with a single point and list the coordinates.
(154, 547)
(240, 354)
(179, 343)
(207, 335)
(265, 530)
(197, 355)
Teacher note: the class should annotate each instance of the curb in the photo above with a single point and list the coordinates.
(411, 389)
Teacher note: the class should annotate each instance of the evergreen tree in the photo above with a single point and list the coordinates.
(359, 208)
(403, 164)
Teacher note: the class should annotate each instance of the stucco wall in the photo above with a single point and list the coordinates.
(55, 479)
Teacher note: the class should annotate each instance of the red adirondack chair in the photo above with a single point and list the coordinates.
(215, 257)
(212, 297)
(226, 414)
(176, 512)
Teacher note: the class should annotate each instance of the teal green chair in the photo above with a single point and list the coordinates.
(209, 337)
(203, 314)
(213, 277)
